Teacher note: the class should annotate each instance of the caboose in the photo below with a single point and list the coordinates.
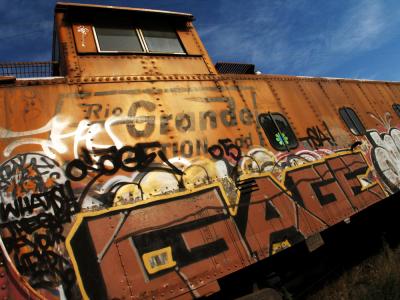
(132, 167)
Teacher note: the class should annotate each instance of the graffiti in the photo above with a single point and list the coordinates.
(385, 155)
(229, 153)
(285, 160)
(385, 150)
(163, 243)
(147, 185)
(26, 184)
(55, 201)
(37, 243)
(128, 158)
(36, 201)
(83, 31)
(269, 216)
(188, 148)
(382, 121)
(235, 162)
(316, 137)
(226, 149)
(87, 131)
(268, 212)
(193, 209)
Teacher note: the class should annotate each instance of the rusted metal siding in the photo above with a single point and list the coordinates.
(126, 65)
(187, 118)
(78, 38)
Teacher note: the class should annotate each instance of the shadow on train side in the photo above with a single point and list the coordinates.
(296, 273)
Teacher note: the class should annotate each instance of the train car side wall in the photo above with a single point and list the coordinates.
(159, 188)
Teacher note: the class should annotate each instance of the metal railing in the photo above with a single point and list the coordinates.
(29, 69)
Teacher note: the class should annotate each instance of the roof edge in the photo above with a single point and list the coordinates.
(60, 6)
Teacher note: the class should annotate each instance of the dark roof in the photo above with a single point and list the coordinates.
(63, 6)
(234, 68)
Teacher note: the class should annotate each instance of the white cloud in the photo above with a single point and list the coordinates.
(362, 28)
(277, 38)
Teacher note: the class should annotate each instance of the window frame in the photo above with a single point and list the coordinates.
(116, 51)
(142, 41)
(286, 147)
(355, 123)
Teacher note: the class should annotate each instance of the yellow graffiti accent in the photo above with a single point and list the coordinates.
(279, 246)
(158, 260)
(129, 192)
(334, 155)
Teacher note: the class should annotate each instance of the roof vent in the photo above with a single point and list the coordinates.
(234, 68)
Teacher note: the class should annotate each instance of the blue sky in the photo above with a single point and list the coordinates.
(336, 38)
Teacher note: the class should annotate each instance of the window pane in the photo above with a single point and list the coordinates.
(352, 121)
(278, 131)
(356, 120)
(347, 120)
(162, 40)
(118, 39)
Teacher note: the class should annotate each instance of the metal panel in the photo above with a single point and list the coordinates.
(132, 65)
(188, 42)
(190, 122)
(84, 38)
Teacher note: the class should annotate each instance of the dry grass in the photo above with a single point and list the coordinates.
(376, 278)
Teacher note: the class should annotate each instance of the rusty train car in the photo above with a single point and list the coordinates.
(137, 169)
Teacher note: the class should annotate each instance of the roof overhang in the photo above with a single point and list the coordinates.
(90, 9)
